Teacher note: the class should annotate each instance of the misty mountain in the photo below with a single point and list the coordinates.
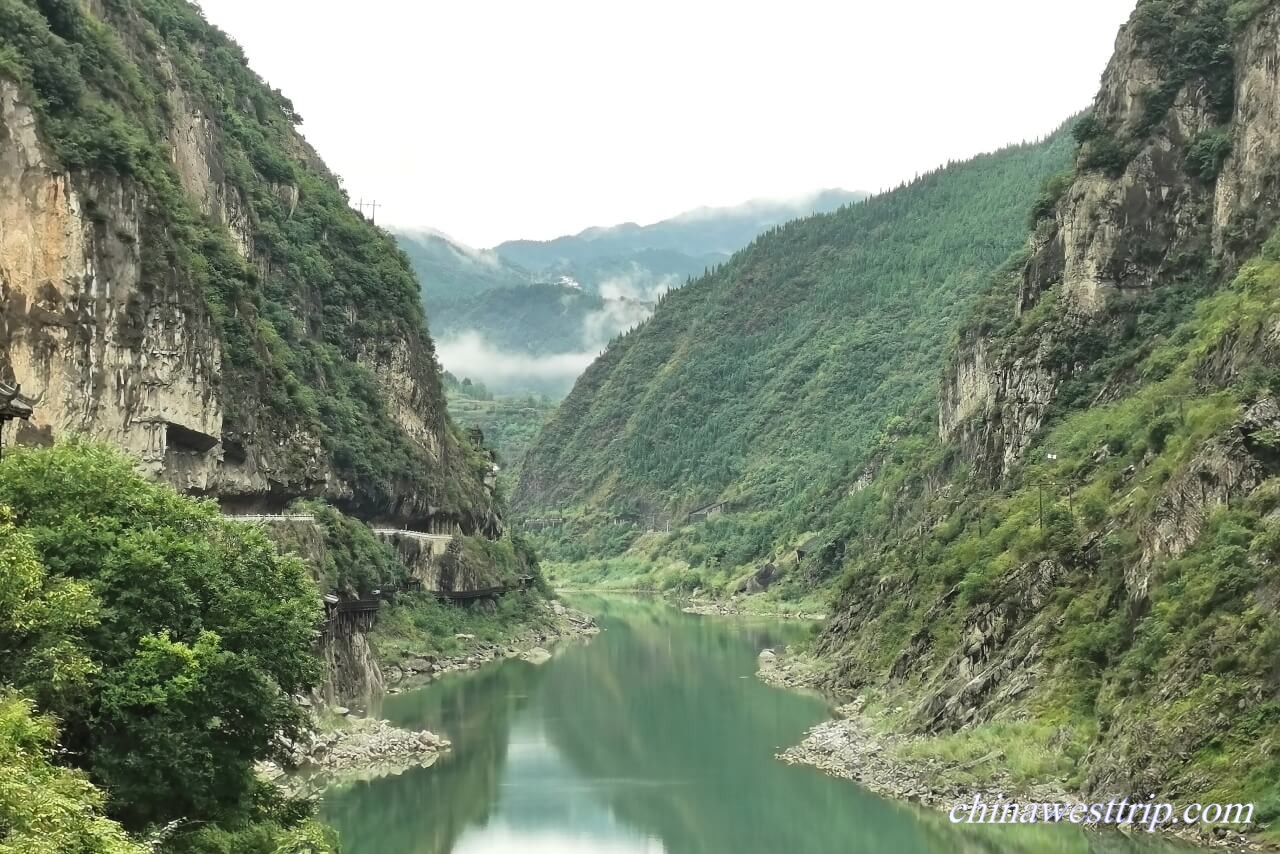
(543, 319)
(672, 249)
(529, 316)
(449, 270)
(536, 338)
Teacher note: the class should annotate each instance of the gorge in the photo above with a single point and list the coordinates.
(1011, 427)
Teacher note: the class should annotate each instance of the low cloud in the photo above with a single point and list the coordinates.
(617, 316)
(637, 284)
(468, 354)
(629, 300)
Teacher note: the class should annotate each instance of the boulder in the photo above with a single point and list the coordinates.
(537, 655)
(759, 580)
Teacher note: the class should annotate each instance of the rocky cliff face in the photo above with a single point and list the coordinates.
(1175, 181)
(209, 304)
(352, 672)
(105, 354)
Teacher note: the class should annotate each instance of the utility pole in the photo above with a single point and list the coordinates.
(372, 206)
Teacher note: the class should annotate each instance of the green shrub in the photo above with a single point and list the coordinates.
(1086, 128)
(1106, 153)
(1051, 192)
(1206, 154)
(44, 808)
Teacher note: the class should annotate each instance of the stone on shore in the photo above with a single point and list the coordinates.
(537, 655)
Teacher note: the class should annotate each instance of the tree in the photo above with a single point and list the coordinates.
(41, 621)
(45, 809)
(202, 632)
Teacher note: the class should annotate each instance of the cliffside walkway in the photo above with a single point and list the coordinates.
(414, 535)
(263, 518)
(370, 605)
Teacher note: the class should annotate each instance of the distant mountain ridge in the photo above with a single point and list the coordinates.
(449, 270)
(498, 311)
(683, 245)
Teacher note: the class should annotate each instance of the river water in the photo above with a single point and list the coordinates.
(653, 737)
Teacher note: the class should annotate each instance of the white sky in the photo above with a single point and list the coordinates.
(497, 119)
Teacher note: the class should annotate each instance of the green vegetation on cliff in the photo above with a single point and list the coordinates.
(1141, 647)
(323, 298)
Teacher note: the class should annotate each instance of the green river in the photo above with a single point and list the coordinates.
(654, 736)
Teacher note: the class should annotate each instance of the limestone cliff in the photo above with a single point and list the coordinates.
(1174, 182)
(182, 277)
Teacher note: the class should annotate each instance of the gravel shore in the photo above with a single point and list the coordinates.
(362, 748)
(851, 747)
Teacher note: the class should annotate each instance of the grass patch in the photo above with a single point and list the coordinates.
(419, 624)
(1029, 752)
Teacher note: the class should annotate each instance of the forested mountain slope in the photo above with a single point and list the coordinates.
(780, 366)
(566, 298)
(1085, 539)
(184, 278)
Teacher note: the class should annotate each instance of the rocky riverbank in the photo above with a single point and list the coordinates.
(788, 671)
(531, 646)
(356, 749)
(850, 746)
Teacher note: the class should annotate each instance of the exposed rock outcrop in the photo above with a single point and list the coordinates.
(1149, 224)
(998, 657)
(106, 354)
(352, 672)
(1226, 468)
(108, 319)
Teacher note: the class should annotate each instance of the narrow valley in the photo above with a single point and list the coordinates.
(944, 517)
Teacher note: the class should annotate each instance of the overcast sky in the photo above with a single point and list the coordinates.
(495, 120)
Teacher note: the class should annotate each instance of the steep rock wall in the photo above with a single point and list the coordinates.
(115, 311)
(106, 354)
(1116, 234)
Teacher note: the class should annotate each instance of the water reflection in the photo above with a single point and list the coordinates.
(654, 737)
